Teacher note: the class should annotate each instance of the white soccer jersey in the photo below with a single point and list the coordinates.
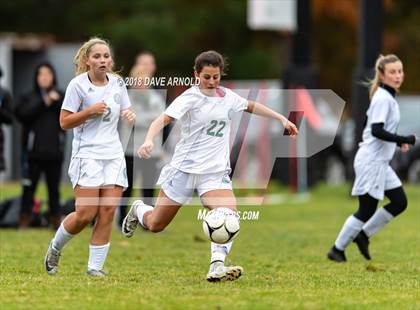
(98, 137)
(383, 109)
(205, 130)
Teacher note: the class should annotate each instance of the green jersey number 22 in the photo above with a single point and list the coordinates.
(216, 128)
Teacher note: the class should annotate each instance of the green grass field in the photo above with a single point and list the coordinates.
(283, 254)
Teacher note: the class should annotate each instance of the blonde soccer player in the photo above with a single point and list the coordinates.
(95, 100)
(374, 176)
(201, 158)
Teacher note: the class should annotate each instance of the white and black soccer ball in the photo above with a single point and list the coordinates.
(221, 225)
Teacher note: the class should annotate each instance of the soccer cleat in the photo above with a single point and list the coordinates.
(362, 242)
(219, 272)
(131, 221)
(96, 273)
(51, 260)
(336, 255)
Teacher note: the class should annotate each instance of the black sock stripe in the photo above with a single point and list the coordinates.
(215, 261)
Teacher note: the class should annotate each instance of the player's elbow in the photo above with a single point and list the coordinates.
(64, 124)
(65, 121)
(166, 119)
(250, 107)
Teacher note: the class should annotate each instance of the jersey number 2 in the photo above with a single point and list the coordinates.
(213, 125)
(107, 117)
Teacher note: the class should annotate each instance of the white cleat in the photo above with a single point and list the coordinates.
(51, 260)
(219, 272)
(131, 221)
(96, 273)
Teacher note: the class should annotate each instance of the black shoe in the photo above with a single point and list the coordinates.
(362, 242)
(336, 255)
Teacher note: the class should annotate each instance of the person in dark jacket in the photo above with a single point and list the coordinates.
(43, 141)
(6, 117)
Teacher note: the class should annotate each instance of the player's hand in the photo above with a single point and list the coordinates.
(128, 115)
(404, 147)
(145, 151)
(98, 109)
(291, 128)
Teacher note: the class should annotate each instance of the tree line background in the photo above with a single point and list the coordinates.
(177, 30)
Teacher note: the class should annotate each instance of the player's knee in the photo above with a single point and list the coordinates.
(156, 227)
(84, 218)
(398, 206)
(404, 200)
(106, 212)
(402, 204)
(364, 214)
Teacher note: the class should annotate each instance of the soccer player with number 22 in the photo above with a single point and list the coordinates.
(201, 158)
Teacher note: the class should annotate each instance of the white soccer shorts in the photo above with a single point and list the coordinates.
(374, 178)
(179, 186)
(94, 173)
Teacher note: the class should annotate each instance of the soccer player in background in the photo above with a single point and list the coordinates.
(201, 157)
(374, 176)
(94, 102)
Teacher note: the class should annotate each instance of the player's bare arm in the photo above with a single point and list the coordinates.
(262, 110)
(70, 120)
(157, 125)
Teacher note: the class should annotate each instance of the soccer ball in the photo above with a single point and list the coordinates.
(221, 225)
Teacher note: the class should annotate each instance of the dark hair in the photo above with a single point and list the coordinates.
(209, 58)
(44, 64)
(145, 52)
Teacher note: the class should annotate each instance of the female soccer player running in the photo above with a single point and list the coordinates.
(95, 100)
(201, 158)
(374, 176)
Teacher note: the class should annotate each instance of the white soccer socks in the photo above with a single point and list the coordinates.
(141, 209)
(219, 251)
(377, 221)
(350, 230)
(62, 236)
(97, 256)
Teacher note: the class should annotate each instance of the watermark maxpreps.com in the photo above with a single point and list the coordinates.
(246, 215)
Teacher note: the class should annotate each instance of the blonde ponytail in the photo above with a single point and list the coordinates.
(82, 54)
(381, 61)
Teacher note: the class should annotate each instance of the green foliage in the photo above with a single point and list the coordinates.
(402, 37)
(177, 30)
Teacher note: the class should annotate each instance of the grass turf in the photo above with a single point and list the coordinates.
(283, 254)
